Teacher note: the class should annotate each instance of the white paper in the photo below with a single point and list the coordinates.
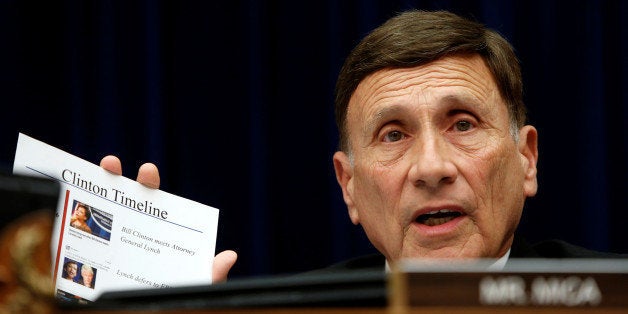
(137, 237)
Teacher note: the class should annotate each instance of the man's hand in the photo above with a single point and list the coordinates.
(223, 262)
(148, 175)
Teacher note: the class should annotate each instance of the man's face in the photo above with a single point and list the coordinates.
(434, 170)
(87, 277)
(71, 270)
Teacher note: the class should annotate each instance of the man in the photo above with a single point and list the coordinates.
(435, 158)
(87, 276)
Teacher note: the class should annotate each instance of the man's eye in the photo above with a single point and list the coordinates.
(393, 136)
(463, 126)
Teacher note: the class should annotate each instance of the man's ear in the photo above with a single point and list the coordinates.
(344, 175)
(528, 140)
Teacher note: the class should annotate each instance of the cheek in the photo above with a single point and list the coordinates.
(378, 184)
(378, 194)
(492, 176)
(497, 185)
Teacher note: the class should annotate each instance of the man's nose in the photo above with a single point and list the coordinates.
(432, 164)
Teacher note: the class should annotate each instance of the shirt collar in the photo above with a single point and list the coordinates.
(500, 262)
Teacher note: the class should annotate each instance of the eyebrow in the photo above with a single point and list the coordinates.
(478, 106)
(451, 100)
(383, 114)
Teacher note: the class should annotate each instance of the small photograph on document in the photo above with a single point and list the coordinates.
(80, 273)
(91, 220)
(87, 276)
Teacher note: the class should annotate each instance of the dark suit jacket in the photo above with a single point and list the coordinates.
(374, 264)
(519, 249)
(554, 249)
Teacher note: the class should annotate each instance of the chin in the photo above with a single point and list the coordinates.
(443, 253)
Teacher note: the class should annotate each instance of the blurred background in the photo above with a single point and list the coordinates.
(233, 100)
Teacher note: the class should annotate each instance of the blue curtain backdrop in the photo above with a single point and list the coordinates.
(233, 101)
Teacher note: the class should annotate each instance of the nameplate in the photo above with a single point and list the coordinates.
(523, 283)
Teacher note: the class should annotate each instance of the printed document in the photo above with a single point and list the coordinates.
(112, 233)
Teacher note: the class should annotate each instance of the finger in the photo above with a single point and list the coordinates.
(222, 264)
(148, 175)
(112, 164)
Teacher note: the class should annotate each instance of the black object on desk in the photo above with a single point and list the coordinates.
(20, 195)
(351, 289)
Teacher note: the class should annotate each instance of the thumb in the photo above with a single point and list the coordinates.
(222, 264)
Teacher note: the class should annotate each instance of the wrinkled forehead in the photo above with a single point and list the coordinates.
(465, 76)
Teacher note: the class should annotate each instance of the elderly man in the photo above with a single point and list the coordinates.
(435, 158)
(87, 276)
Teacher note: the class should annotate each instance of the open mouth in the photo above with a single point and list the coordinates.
(438, 217)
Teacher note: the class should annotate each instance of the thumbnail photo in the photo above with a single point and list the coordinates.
(91, 220)
(82, 274)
